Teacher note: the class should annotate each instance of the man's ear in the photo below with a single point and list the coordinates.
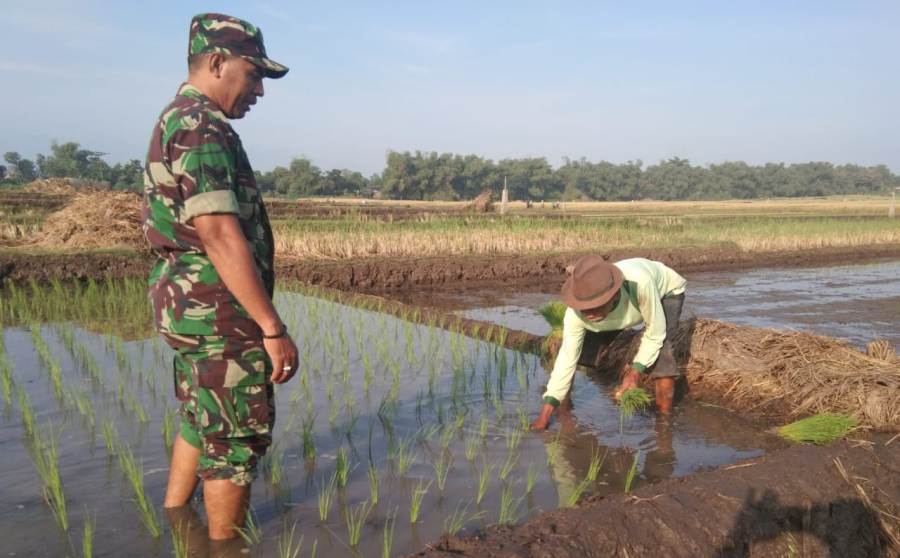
(215, 62)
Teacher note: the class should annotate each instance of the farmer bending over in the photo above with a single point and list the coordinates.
(602, 296)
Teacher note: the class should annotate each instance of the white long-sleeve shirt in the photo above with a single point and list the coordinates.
(646, 283)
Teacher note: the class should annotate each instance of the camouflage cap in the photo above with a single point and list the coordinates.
(229, 35)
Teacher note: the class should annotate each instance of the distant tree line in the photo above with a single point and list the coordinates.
(70, 160)
(446, 176)
(431, 176)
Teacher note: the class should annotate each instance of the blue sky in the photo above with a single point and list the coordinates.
(617, 81)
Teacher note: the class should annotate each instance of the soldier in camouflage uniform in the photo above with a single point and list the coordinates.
(211, 288)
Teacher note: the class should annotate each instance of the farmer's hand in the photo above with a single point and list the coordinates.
(543, 419)
(283, 352)
(630, 378)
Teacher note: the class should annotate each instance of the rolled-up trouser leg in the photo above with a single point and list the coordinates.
(665, 366)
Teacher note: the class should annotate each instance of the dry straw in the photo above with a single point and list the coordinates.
(793, 374)
(95, 220)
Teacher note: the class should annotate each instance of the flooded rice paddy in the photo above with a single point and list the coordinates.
(396, 430)
(857, 303)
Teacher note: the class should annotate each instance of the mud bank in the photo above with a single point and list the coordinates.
(375, 275)
(383, 275)
(840, 500)
(21, 267)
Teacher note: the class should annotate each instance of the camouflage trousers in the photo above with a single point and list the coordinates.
(227, 406)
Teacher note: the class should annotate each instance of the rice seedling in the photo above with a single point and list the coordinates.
(473, 444)
(629, 478)
(251, 531)
(458, 519)
(484, 478)
(596, 462)
(334, 411)
(499, 410)
(404, 456)
(46, 461)
(554, 313)
(508, 464)
(309, 444)
(447, 436)
(325, 496)
(483, 427)
(387, 534)
(27, 412)
(442, 466)
(6, 382)
(180, 540)
(355, 518)
(632, 401)
(167, 429)
(524, 423)
(415, 503)
(373, 483)
(576, 493)
(509, 506)
(110, 437)
(429, 432)
(286, 546)
(460, 420)
(531, 477)
(513, 437)
(82, 403)
(273, 464)
(136, 408)
(87, 536)
(135, 475)
(342, 467)
(818, 429)
(554, 448)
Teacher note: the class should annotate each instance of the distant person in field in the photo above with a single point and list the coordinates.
(603, 296)
(211, 288)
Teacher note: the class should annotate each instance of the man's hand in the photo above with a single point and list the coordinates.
(543, 419)
(630, 378)
(283, 352)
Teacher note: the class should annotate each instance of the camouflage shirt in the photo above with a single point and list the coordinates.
(196, 165)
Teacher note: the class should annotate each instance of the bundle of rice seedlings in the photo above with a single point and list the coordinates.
(634, 400)
(818, 429)
(553, 312)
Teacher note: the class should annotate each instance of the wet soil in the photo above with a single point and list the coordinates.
(840, 500)
(21, 267)
(376, 275)
(397, 274)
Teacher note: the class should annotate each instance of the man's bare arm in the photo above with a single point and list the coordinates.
(230, 254)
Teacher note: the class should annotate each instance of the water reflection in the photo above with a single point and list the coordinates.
(858, 303)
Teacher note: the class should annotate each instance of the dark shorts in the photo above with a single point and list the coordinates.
(595, 343)
(665, 366)
(225, 411)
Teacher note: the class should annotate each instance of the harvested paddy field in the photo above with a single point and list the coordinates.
(407, 426)
(362, 247)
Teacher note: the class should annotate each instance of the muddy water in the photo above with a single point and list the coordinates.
(857, 303)
(371, 383)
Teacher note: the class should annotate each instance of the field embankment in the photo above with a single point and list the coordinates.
(362, 246)
(840, 500)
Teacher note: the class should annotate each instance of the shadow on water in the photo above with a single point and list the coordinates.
(846, 527)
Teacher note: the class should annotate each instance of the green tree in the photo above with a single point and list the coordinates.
(19, 170)
(69, 160)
